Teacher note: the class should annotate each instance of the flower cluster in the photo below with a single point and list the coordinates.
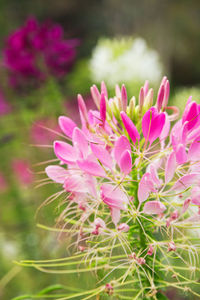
(36, 51)
(111, 62)
(130, 180)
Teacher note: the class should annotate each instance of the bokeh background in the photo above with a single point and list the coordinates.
(63, 48)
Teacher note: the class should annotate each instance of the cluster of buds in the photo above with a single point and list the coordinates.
(133, 171)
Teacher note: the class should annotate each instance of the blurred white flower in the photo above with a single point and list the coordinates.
(126, 60)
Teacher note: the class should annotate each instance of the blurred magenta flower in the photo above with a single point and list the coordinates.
(35, 51)
(21, 170)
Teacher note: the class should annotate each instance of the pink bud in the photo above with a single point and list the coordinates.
(160, 97)
(104, 89)
(185, 205)
(82, 109)
(123, 227)
(150, 250)
(132, 255)
(130, 127)
(141, 261)
(141, 98)
(103, 108)
(124, 97)
(117, 91)
(171, 247)
(109, 289)
(95, 95)
(99, 223)
(166, 95)
(146, 87)
(81, 248)
(174, 215)
(164, 79)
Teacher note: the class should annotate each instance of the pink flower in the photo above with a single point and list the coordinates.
(22, 171)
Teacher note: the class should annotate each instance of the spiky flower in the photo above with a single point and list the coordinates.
(130, 179)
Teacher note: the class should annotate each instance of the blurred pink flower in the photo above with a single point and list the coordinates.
(35, 51)
(22, 172)
(42, 131)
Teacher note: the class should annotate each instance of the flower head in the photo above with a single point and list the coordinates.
(131, 180)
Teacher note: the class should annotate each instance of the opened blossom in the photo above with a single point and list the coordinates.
(130, 175)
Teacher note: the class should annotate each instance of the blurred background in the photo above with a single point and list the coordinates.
(49, 52)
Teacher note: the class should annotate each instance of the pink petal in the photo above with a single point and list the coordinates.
(102, 154)
(165, 131)
(80, 142)
(146, 186)
(130, 127)
(121, 144)
(115, 214)
(91, 167)
(170, 167)
(113, 196)
(126, 162)
(194, 151)
(152, 124)
(153, 208)
(103, 108)
(65, 152)
(75, 183)
(56, 173)
(154, 176)
(181, 155)
(191, 114)
(186, 181)
(66, 125)
(195, 195)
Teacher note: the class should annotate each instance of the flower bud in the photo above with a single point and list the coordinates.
(171, 247)
(123, 227)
